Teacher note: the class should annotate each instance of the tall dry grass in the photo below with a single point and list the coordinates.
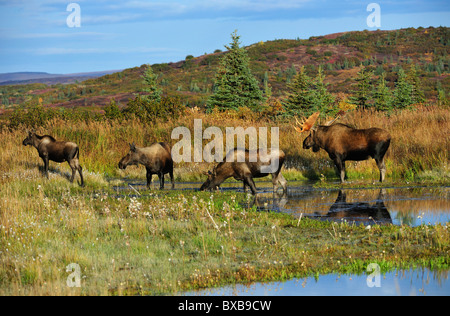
(420, 144)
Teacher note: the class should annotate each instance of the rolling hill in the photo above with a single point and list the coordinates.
(276, 62)
(22, 78)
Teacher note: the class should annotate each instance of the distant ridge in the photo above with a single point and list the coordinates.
(17, 78)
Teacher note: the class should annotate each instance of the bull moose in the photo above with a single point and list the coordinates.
(343, 143)
(245, 165)
(58, 151)
(157, 159)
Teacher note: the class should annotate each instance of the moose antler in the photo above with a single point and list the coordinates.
(341, 113)
(306, 125)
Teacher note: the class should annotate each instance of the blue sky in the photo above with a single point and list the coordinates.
(34, 35)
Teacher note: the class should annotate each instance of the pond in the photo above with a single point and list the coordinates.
(411, 206)
(400, 283)
(408, 205)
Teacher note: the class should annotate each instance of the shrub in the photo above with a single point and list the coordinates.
(149, 111)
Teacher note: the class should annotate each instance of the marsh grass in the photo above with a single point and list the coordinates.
(164, 242)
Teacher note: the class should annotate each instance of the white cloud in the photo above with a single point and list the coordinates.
(113, 50)
(13, 35)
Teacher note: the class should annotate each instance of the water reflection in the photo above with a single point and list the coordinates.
(411, 206)
(360, 212)
(399, 283)
(398, 206)
(357, 212)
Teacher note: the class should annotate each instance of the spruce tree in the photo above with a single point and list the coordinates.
(151, 85)
(300, 99)
(307, 96)
(382, 97)
(417, 94)
(235, 86)
(322, 100)
(403, 91)
(363, 88)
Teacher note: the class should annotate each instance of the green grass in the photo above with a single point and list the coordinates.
(164, 242)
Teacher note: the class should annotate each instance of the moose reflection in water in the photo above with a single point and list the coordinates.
(358, 212)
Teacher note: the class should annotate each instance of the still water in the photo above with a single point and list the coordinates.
(411, 206)
(400, 283)
(408, 205)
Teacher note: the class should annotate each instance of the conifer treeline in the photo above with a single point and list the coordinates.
(236, 87)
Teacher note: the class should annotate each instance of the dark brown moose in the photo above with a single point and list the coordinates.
(57, 151)
(157, 159)
(244, 165)
(343, 143)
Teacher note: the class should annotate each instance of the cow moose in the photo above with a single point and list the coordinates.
(343, 143)
(57, 151)
(245, 165)
(157, 159)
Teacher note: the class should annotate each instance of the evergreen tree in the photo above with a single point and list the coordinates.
(363, 88)
(403, 91)
(441, 95)
(112, 111)
(151, 85)
(417, 94)
(300, 99)
(267, 86)
(381, 95)
(235, 85)
(323, 100)
(308, 95)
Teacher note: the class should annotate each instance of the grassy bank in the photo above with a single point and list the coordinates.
(163, 242)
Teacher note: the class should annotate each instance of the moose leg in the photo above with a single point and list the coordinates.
(172, 178)
(340, 165)
(279, 179)
(381, 165)
(275, 182)
(245, 187)
(80, 171)
(283, 182)
(75, 166)
(249, 180)
(74, 170)
(149, 178)
(46, 161)
(161, 180)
